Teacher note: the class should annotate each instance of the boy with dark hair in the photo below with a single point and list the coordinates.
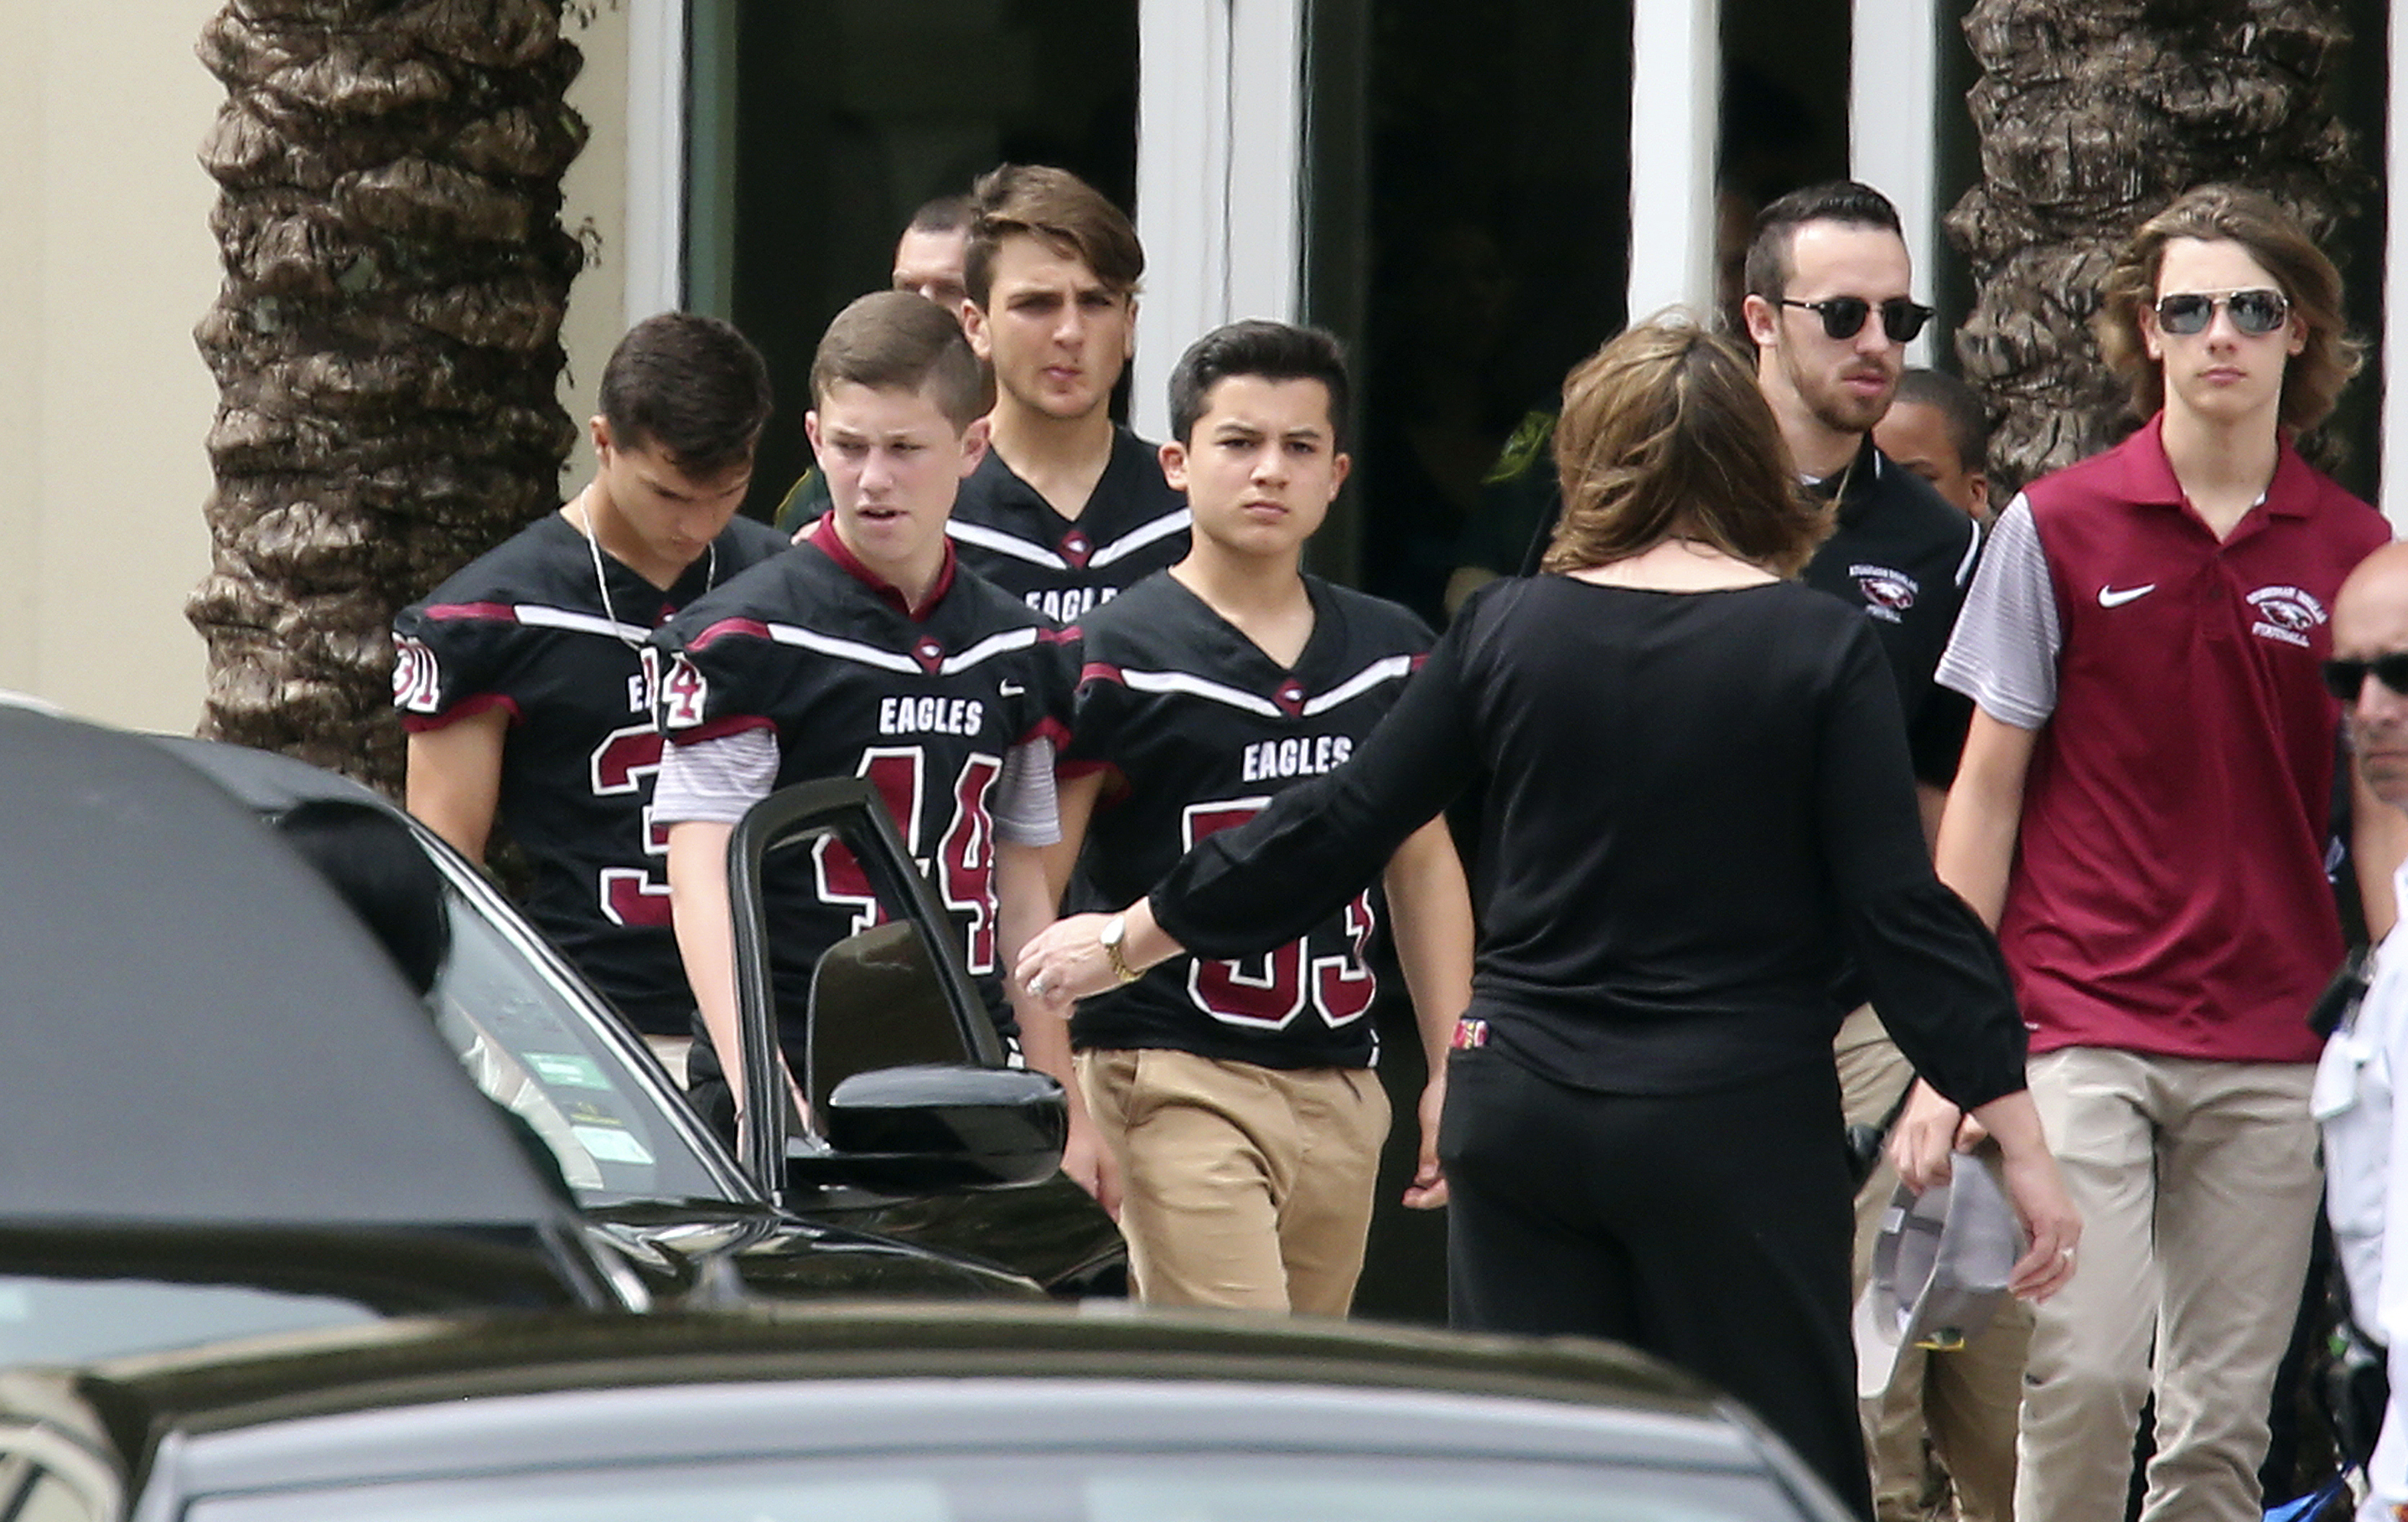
(870, 651)
(1067, 508)
(1938, 428)
(2142, 814)
(521, 679)
(1237, 1096)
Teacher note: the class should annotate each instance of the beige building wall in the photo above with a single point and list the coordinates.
(105, 257)
(108, 263)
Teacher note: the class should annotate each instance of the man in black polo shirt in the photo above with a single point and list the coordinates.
(1828, 309)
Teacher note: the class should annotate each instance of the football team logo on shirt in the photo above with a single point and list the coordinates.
(2287, 613)
(1887, 592)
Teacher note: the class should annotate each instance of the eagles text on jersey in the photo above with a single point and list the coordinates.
(1195, 730)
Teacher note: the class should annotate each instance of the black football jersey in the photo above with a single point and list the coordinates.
(813, 649)
(1133, 525)
(1196, 730)
(525, 628)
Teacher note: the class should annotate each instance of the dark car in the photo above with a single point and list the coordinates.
(539, 1039)
(220, 1108)
(223, 1110)
(923, 1413)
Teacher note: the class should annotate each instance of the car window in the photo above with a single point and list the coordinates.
(1060, 1488)
(56, 1320)
(534, 1045)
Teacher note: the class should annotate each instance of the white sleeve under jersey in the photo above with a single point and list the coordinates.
(2003, 655)
(714, 780)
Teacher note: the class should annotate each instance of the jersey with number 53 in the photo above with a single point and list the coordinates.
(850, 685)
(1194, 729)
(524, 629)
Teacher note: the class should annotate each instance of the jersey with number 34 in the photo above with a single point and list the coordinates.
(924, 710)
(1196, 728)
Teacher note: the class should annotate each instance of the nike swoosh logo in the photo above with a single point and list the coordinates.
(2117, 596)
(1009, 689)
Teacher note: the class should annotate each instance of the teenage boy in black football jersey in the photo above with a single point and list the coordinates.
(521, 681)
(1238, 1097)
(1067, 509)
(868, 652)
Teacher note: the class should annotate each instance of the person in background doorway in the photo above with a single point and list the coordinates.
(1938, 428)
(1067, 508)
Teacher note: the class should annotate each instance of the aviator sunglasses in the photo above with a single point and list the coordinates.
(1844, 317)
(2344, 679)
(2256, 312)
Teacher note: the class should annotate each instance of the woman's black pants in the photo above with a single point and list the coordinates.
(1709, 1230)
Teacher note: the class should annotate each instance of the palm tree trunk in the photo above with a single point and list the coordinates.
(386, 342)
(2092, 115)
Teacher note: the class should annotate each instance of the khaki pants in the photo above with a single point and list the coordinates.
(1240, 1186)
(2199, 1186)
(1965, 1400)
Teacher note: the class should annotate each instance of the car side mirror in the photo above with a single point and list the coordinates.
(891, 997)
(931, 1129)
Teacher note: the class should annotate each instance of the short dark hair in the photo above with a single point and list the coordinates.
(689, 386)
(1058, 208)
(1960, 409)
(944, 214)
(892, 340)
(1666, 434)
(371, 860)
(2313, 379)
(1848, 202)
(1269, 350)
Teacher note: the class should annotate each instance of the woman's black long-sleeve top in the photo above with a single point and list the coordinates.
(1699, 804)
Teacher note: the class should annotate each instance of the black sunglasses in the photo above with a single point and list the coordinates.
(2344, 679)
(1844, 317)
(2256, 313)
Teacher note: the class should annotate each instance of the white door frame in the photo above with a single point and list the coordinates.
(1220, 177)
(1675, 110)
(1894, 126)
(653, 242)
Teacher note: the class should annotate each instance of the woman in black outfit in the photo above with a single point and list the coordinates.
(1701, 804)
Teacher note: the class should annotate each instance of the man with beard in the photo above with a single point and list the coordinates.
(1828, 310)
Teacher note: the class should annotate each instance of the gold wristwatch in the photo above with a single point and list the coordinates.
(1115, 931)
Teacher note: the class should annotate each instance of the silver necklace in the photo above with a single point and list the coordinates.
(602, 580)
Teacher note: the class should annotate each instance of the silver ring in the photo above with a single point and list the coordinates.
(2065, 1254)
(1037, 986)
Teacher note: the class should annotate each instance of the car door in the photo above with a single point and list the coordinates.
(893, 995)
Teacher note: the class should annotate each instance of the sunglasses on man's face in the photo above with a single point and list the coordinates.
(1844, 317)
(2344, 679)
(2256, 313)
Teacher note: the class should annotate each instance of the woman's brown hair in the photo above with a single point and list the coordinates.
(1664, 434)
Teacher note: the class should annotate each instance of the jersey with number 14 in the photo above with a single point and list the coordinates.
(816, 650)
(525, 628)
(1195, 729)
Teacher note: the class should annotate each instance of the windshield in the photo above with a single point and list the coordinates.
(1058, 1487)
(535, 1045)
(46, 1318)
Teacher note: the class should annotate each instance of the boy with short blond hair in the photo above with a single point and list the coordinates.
(870, 651)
